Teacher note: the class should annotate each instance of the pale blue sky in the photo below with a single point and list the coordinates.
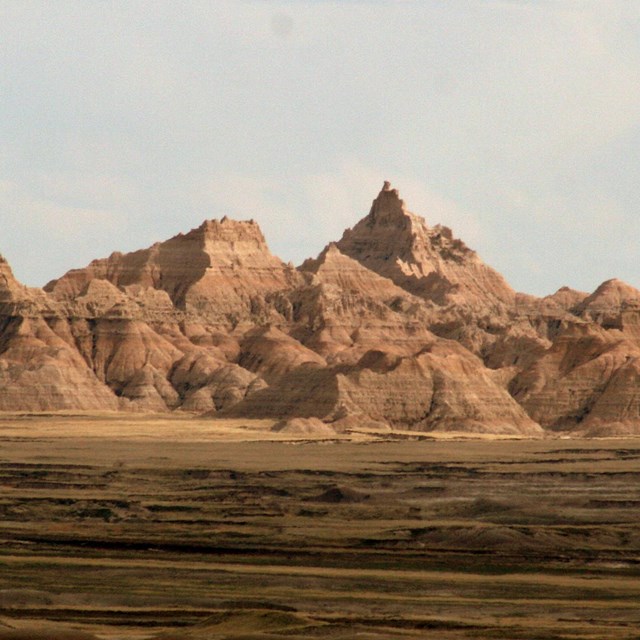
(515, 123)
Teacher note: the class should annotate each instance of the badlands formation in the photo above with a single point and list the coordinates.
(396, 326)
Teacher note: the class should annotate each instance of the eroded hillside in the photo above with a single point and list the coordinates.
(397, 323)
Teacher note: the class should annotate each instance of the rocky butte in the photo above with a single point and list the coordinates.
(396, 325)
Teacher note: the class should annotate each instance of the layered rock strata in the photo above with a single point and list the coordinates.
(397, 325)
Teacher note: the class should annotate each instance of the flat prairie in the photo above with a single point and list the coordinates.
(179, 528)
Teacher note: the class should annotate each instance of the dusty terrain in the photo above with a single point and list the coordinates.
(164, 527)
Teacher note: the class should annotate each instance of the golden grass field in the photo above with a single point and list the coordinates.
(135, 527)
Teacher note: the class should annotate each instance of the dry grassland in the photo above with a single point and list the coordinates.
(178, 528)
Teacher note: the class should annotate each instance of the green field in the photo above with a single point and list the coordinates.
(157, 528)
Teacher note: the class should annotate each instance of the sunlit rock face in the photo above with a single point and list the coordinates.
(222, 270)
(397, 325)
(427, 261)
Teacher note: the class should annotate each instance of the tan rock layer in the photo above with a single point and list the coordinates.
(396, 324)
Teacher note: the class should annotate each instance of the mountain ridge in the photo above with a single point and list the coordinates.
(396, 323)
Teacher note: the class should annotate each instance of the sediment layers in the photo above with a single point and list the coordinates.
(397, 324)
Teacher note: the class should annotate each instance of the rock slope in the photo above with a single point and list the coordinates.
(397, 325)
(428, 262)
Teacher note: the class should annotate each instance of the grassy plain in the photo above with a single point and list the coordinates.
(179, 528)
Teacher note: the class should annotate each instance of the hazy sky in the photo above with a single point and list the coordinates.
(516, 123)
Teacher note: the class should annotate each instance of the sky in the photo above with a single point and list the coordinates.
(516, 123)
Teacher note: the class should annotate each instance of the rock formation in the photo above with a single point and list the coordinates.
(348, 309)
(40, 371)
(441, 388)
(428, 262)
(397, 325)
(225, 262)
(10, 289)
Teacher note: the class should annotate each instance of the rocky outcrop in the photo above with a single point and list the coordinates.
(39, 371)
(348, 310)
(313, 427)
(585, 381)
(397, 326)
(428, 262)
(222, 271)
(608, 303)
(10, 288)
(441, 388)
(562, 387)
(564, 299)
(615, 411)
(119, 349)
(615, 306)
(270, 353)
(467, 300)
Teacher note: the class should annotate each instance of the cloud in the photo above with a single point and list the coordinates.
(88, 191)
(45, 236)
(66, 202)
(594, 214)
(339, 198)
(487, 115)
(57, 219)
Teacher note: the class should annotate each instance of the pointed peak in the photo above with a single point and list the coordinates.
(387, 188)
(388, 209)
(330, 253)
(4, 266)
(398, 244)
(8, 282)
